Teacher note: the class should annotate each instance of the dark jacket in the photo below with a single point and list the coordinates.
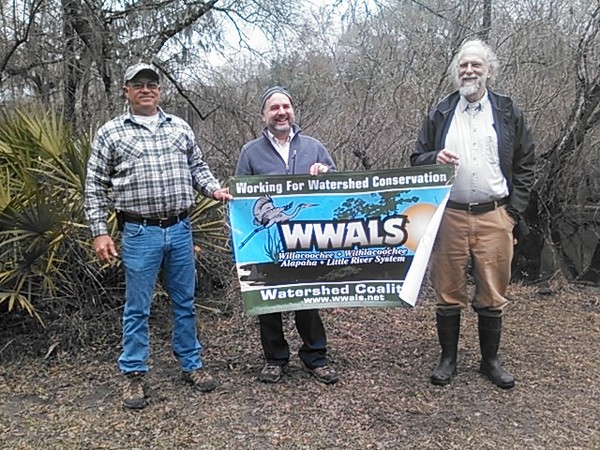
(515, 145)
(259, 157)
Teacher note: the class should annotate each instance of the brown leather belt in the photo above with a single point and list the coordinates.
(477, 208)
(163, 223)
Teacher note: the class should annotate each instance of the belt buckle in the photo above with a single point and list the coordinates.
(471, 206)
(481, 208)
(161, 221)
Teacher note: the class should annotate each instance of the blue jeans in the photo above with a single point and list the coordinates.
(145, 250)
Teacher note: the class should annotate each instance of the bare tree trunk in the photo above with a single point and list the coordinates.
(552, 216)
(70, 64)
(486, 24)
(89, 26)
(592, 274)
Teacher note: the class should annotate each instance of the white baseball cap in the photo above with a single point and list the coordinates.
(133, 71)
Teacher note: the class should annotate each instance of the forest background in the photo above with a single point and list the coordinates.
(363, 74)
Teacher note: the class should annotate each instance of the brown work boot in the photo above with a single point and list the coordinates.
(271, 373)
(134, 391)
(325, 374)
(200, 379)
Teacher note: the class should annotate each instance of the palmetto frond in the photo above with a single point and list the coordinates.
(42, 170)
(45, 249)
(210, 238)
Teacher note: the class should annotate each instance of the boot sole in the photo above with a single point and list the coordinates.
(495, 382)
(440, 382)
(443, 381)
(437, 382)
(135, 406)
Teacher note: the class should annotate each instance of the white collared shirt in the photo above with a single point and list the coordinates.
(282, 149)
(472, 136)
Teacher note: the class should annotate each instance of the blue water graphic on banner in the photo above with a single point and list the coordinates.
(343, 239)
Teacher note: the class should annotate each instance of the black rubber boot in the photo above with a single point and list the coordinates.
(490, 331)
(448, 328)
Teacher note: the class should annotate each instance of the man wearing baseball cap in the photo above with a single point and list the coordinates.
(146, 164)
(140, 69)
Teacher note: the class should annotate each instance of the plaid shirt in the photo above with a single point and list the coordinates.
(144, 173)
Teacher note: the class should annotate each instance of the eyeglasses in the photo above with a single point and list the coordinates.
(136, 85)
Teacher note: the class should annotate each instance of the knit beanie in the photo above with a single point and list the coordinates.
(274, 90)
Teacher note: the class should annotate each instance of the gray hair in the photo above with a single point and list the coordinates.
(489, 55)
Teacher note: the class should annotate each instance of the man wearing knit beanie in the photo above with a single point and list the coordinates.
(283, 149)
(274, 90)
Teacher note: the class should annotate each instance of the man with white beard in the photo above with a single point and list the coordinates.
(485, 136)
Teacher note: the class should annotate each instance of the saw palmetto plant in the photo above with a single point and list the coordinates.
(41, 220)
(46, 262)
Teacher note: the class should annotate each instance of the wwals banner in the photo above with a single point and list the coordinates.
(341, 239)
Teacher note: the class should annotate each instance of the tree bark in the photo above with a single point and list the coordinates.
(70, 64)
(555, 202)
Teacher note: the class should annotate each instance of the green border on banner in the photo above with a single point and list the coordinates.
(346, 182)
(339, 295)
(291, 263)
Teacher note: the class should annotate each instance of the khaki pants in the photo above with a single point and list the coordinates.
(488, 240)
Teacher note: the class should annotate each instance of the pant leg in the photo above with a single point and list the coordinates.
(449, 262)
(142, 250)
(275, 347)
(180, 277)
(313, 351)
(492, 249)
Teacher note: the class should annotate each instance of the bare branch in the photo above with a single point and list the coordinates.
(183, 92)
(21, 40)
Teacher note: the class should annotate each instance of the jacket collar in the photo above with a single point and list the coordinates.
(448, 104)
(295, 128)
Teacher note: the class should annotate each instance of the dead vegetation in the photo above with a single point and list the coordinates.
(71, 400)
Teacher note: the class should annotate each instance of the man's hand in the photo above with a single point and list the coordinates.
(222, 194)
(447, 157)
(318, 168)
(105, 248)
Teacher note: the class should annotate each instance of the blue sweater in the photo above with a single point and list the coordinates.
(259, 157)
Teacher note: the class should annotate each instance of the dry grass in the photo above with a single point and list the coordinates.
(383, 401)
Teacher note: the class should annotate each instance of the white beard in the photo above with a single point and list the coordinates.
(469, 89)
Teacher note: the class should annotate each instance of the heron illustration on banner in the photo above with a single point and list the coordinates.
(266, 214)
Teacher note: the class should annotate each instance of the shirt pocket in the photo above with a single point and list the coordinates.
(175, 158)
(130, 149)
(130, 155)
(491, 155)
